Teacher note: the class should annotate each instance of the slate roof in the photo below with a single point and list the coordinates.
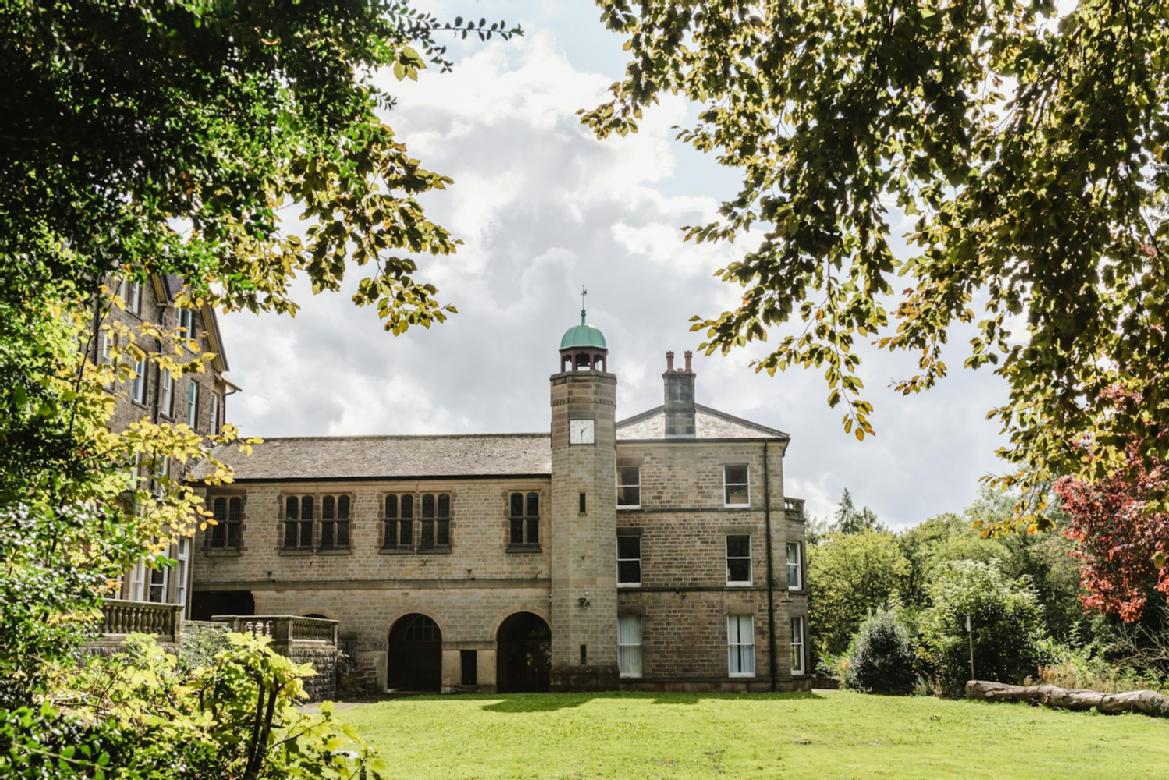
(708, 424)
(391, 457)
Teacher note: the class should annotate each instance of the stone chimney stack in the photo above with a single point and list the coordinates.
(679, 387)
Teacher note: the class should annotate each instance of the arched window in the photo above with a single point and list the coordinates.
(228, 514)
(399, 522)
(334, 522)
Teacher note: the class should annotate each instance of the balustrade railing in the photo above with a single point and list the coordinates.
(794, 509)
(141, 617)
(283, 629)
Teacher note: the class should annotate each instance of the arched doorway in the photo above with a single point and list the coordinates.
(524, 655)
(415, 656)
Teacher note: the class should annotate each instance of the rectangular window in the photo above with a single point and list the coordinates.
(228, 513)
(299, 513)
(795, 571)
(399, 522)
(741, 645)
(628, 560)
(629, 487)
(524, 519)
(797, 645)
(736, 486)
(436, 521)
(739, 560)
(182, 567)
(187, 322)
(137, 581)
(166, 404)
(334, 522)
(139, 386)
(133, 291)
(469, 663)
(156, 591)
(215, 413)
(192, 404)
(629, 645)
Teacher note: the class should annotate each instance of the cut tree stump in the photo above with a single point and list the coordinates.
(1142, 702)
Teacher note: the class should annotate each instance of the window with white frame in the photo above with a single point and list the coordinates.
(738, 559)
(795, 570)
(132, 290)
(628, 560)
(797, 645)
(156, 591)
(736, 486)
(166, 404)
(187, 322)
(137, 581)
(182, 568)
(628, 487)
(215, 413)
(741, 645)
(192, 403)
(138, 388)
(629, 645)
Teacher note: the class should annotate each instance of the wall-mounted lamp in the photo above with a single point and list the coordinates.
(583, 601)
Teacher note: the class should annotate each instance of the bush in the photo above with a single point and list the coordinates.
(1007, 624)
(881, 658)
(140, 714)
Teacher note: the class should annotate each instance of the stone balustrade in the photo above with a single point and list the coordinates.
(303, 639)
(794, 509)
(120, 618)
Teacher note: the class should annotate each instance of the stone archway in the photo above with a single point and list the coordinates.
(414, 659)
(524, 654)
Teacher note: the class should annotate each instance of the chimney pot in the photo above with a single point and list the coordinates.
(669, 361)
(687, 355)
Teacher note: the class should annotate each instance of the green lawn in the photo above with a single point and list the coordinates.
(821, 734)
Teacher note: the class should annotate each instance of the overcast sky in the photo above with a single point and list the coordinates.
(544, 208)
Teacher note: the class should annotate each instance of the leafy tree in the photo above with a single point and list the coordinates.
(849, 576)
(164, 137)
(881, 658)
(1025, 142)
(940, 540)
(1123, 547)
(1007, 625)
(848, 520)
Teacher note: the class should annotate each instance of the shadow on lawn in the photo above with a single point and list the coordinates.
(550, 702)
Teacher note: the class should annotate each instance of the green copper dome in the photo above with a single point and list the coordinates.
(583, 335)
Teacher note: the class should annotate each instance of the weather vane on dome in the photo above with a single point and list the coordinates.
(583, 293)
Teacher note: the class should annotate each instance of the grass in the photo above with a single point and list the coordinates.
(821, 734)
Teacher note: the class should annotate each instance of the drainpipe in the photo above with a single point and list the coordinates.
(770, 577)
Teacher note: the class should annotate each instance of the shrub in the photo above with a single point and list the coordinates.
(140, 714)
(1007, 624)
(881, 658)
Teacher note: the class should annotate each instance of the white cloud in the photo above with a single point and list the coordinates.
(543, 208)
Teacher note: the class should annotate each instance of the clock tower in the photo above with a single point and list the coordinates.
(584, 514)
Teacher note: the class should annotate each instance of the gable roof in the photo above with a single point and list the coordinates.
(390, 457)
(708, 424)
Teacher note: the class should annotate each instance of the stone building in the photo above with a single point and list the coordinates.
(654, 552)
(153, 394)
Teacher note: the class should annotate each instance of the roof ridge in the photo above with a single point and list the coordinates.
(641, 415)
(405, 436)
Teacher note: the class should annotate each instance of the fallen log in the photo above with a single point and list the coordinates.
(1143, 702)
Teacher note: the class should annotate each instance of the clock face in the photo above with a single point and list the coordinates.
(581, 431)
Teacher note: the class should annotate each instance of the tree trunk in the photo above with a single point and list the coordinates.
(1144, 702)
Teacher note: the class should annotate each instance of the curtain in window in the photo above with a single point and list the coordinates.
(629, 645)
(741, 644)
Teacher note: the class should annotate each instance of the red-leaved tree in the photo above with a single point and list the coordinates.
(1123, 547)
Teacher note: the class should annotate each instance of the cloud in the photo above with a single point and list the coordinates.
(544, 208)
